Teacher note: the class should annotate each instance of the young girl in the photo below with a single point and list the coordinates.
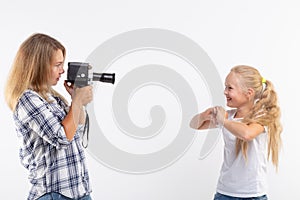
(251, 133)
(50, 131)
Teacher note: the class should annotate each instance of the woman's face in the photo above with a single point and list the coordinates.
(236, 97)
(56, 67)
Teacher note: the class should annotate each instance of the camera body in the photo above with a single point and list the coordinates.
(78, 73)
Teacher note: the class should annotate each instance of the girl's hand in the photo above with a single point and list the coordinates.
(207, 115)
(220, 115)
(203, 120)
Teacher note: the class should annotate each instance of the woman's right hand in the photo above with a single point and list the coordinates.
(82, 96)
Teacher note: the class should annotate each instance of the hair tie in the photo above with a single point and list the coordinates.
(264, 84)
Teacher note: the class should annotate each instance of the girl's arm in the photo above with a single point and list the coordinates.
(246, 132)
(204, 120)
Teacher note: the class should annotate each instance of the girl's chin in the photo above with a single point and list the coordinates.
(229, 104)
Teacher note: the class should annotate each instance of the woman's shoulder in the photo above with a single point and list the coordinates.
(29, 92)
(29, 99)
(31, 95)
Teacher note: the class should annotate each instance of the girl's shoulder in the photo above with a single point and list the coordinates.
(231, 113)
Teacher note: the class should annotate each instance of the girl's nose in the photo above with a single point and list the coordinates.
(225, 92)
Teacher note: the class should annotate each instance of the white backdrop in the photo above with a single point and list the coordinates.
(264, 34)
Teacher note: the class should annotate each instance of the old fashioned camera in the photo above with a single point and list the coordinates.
(79, 74)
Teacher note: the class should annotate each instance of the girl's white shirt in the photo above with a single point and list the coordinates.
(240, 177)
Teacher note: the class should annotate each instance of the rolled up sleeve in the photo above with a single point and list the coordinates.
(38, 115)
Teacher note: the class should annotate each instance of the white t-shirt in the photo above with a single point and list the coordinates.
(239, 177)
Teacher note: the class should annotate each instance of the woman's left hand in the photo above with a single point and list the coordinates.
(69, 88)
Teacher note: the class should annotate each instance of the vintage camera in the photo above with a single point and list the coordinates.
(78, 73)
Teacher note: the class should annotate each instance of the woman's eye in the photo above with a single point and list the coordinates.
(58, 65)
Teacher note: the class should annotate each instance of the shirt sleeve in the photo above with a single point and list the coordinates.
(33, 111)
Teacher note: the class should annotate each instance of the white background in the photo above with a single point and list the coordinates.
(264, 34)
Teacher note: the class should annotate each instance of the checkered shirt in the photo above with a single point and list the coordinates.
(54, 163)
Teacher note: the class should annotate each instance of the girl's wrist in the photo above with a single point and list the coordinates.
(224, 122)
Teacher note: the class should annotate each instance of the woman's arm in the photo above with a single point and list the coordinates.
(75, 116)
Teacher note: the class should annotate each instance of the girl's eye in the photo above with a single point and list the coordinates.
(228, 88)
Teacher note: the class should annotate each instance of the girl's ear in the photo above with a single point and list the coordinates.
(250, 93)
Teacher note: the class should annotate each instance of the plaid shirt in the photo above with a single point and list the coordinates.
(54, 163)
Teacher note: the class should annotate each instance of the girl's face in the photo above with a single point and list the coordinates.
(235, 95)
(56, 67)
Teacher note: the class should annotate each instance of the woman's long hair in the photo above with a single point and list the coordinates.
(32, 68)
(265, 110)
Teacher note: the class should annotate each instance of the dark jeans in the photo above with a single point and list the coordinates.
(219, 196)
(57, 196)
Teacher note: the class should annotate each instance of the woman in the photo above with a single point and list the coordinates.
(50, 131)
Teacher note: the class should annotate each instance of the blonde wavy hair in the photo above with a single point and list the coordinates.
(31, 68)
(265, 111)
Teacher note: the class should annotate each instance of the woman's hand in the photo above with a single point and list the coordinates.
(82, 96)
(69, 88)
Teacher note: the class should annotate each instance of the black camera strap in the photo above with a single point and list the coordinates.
(86, 130)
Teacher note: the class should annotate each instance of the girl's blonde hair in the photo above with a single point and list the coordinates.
(32, 68)
(265, 111)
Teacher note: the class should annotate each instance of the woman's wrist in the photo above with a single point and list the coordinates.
(76, 103)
